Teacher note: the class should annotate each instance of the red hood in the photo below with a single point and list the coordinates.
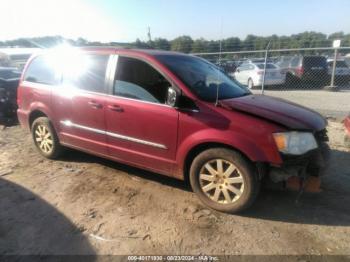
(278, 110)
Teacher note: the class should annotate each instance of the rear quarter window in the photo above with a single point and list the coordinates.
(40, 71)
(295, 62)
(268, 66)
(86, 72)
(340, 64)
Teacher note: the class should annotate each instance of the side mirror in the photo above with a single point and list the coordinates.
(238, 70)
(186, 104)
(171, 98)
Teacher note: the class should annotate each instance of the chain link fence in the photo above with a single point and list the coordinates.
(306, 76)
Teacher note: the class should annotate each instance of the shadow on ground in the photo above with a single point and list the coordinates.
(81, 157)
(331, 207)
(31, 226)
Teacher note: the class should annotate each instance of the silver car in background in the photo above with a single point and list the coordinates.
(251, 74)
(342, 71)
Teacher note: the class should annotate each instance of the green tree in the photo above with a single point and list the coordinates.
(249, 42)
(81, 42)
(199, 46)
(161, 44)
(182, 44)
(140, 44)
(231, 44)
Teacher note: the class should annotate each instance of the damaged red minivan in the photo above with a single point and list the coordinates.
(172, 114)
(347, 131)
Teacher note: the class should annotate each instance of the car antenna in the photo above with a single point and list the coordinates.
(218, 86)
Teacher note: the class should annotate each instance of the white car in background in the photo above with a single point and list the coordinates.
(251, 74)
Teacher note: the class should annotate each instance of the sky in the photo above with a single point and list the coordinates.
(126, 20)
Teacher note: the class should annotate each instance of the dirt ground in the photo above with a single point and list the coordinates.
(83, 204)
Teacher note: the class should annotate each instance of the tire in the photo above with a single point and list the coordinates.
(289, 80)
(250, 84)
(246, 191)
(45, 138)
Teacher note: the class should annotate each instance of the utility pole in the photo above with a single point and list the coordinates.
(149, 34)
(264, 73)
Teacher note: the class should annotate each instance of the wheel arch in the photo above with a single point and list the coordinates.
(34, 115)
(199, 148)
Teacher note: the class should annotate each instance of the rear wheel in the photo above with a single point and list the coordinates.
(45, 138)
(224, 180)
(288, 79)
(292, 81)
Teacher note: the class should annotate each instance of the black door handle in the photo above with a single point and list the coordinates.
(116, 108)
(95, 105)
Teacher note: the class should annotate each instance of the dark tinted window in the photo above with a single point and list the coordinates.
(40, 71)
(87, 72)
(340, 64)
(203, 78)
(20, 57)
(315, 61)
(268, 66)
(9, 73)
(138, 80)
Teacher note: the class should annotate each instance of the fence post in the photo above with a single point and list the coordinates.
(334, 67)
(332, 86)
(264, 73)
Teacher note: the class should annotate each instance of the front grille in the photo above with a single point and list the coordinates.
(322, 136)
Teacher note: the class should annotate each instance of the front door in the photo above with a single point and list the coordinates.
(141, 127)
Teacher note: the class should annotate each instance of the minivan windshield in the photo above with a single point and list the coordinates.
(202, 77)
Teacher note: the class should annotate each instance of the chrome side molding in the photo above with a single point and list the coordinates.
(69, 123)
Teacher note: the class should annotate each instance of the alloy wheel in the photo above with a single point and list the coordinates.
(43, 139)
(221, 181)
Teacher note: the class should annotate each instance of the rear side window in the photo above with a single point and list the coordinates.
(340, 64)
(295, 62)
(40, 71)
(244, 67)
(315, 61)
(138, 80)
(87, 72)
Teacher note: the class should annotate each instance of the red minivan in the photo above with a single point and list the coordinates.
(347, 130)
(172, 114)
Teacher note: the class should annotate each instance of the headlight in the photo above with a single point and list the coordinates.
(295, 143)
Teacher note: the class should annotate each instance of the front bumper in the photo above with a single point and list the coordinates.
(314, 163)
(347, 131)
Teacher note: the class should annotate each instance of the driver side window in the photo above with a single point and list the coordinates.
(136, 79)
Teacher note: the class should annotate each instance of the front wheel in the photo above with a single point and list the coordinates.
(224, 180)
(45, 138)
